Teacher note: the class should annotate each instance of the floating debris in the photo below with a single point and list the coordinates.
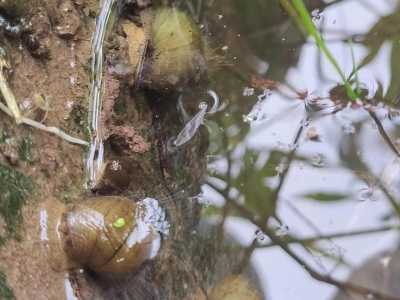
(191, 127)
(319, 105)
(365, 194)
(282, 230)
(247, 91)
(281, 167)
(260, 236)
(256, 114)
(313, 134)
(348, 128)
(316, 15)
(318, 160)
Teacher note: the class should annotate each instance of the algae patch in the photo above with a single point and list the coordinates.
(6, 292)
(14, 187)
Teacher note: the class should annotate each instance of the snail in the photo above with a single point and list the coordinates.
(108, 234)
(179, 53)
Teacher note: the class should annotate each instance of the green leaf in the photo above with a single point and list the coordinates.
(251, 182)
(325, 197)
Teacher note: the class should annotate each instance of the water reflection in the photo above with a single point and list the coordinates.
(296, 175)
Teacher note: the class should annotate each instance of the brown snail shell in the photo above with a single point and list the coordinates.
(179, 50)
(105, 234)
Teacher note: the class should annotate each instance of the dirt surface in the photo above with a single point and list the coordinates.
(56, 69)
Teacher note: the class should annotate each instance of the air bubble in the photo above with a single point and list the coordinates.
(348, 128)
(365, 194)
(282, 230)
(247, 91)
(316, 15)
(318, 160)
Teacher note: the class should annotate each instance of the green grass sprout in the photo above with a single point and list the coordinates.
(297, 10)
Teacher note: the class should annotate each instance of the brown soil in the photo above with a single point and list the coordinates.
(58, 71)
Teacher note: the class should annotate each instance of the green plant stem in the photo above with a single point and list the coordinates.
(305, 241)
(299, 12)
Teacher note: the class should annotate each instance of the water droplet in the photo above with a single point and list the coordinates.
(199, 198)
(318, 160)
(264, 95)
(202, 105)
(247, 91)
(365, 193)
(315, 104)
(316, 15)
(256, 113)
(72, 80)
(26, 104)
(116, 165)
(348, 128)
(281, 168)
(370, 296)
(260, 236)
(282, 230)
(385, 261)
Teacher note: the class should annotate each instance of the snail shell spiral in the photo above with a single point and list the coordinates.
(105, 234)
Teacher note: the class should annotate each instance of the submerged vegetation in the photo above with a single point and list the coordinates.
(14, 188)
(5, 292)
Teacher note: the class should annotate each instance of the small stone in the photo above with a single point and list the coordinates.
(68, 20)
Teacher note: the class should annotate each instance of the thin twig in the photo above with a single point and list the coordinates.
(347, 286)
(383, 132)
(305, 241)
(290, 157)
(310, 224)
(284, 245)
